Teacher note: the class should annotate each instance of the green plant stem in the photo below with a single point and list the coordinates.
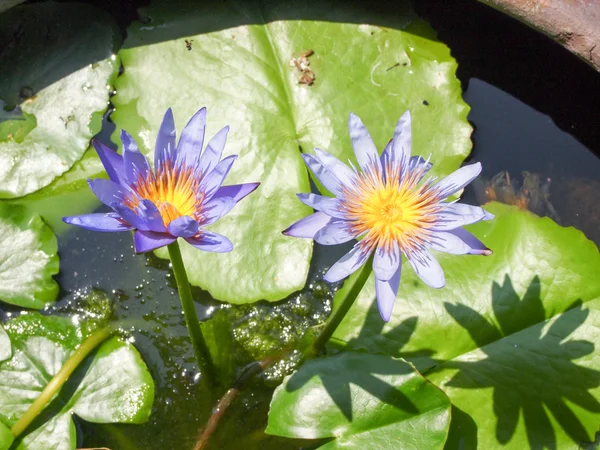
(191, 319)
(338, 315)
(60, 379)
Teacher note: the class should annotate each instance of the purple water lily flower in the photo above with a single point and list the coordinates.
(181, 196)
(387, 205)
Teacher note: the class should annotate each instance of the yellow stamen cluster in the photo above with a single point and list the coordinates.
(390, 207)
(173, 191)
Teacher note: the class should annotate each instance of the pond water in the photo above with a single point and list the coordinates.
(536, 132)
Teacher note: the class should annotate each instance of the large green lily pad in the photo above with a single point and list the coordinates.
(238, 61)
(5, 349)
(511, 338)
(28, 258)
(362, 401)
(112, 385)
(57, 66)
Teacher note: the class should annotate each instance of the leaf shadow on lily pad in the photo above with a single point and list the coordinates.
(530, 369)
(338, 386)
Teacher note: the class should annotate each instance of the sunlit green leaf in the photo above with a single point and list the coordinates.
(511, 338)
(6, 437)
(112, 385)
(238, 61)
(5, 349)
(362, 401)
(28, 258)
(60, 73)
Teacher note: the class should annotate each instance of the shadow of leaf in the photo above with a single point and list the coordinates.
(337, 384)
(531, 369)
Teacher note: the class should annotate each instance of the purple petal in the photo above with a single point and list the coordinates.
(164, 149)
(98, 222)
(328, 179)
(212, 154)
(386, 292)
(427, 268)
(149, 213)
(362, 143)
(236, 191)
(216, 208)
(214, 179)
(349, 263)
(477, 247)
(309, 226)
(145, 217)
(386, 261)
(444, 241)
(211, 242)
(136, 164)
(418, 163)
(458, 214)
(335, 232)
(335, 166)
(183, 226)
(457, 180)
(108, 192)
(144, 241)
(328, 205)
(112, 162)
(191, 140)
(399, 149)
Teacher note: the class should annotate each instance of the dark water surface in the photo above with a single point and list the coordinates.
(535, 108)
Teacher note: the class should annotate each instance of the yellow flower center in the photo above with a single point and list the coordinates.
(390, 209)
(174, 192)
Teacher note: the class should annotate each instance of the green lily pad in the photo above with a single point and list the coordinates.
(28, 258)
(70, 46)
(6, 437)
(112, 385)
(510, 338)
(5, 349)
(362, 401)
(237, 59)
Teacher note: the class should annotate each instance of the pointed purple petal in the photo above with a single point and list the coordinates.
(98, 222)
(457, 180)
(216, 208)
(144, 241)
(183, 226)
(477, 247)
(399, 149)
(108, 192)
(211, 156)
(112, 162)
(349, 263)
(386, 261)
(335, 166)
(362, 143)
(309, 226)
(458, 214)
(335, 232)
(164, 150)
(427, 268)
(236, 191)
(328, 205)
(191, 140)
(214, 179)
(136, 164)
(150, 214)
(211, 242)
(386, 292)
(446, 242)
(328, 179)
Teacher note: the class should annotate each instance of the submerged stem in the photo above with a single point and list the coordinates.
(203, 357)
(60, 379)
(338, 315)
